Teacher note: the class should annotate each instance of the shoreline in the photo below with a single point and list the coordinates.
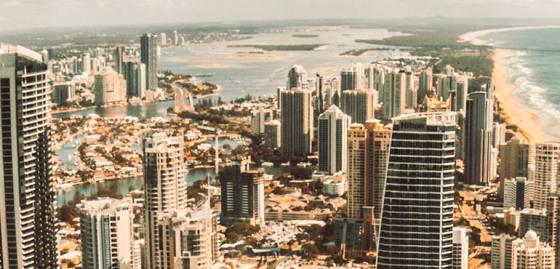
(514, 110)
(473, 38)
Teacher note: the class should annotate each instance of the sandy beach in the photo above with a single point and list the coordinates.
(515, 110)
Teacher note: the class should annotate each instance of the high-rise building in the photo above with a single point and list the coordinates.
(547, 171)
(106, 233)
(183, 100)
(393, 94)
(425, 85)
(149, 56)
(297, 78)
(530, 252)
(165, 190)
(27, 221)
(272, 135)
(535, 220)
(460, 248)
(118, 54)
(375, 77)
(63, 93)
(332, 140)
(86, 63)
(297, 122)
(499, 134)
(110, 88)
(517, 193)
(258, 119)
(175, 38)
(478, 138)
(514, 159)
(418, 201)
(163, 39)
(501, 251)
(242, 194)
(135, 75)
(352, 78)
(360, 104)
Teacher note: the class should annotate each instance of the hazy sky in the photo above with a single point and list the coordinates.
(45, 13)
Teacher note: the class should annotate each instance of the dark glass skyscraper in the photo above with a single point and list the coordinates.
(27, 222)
(148, 51)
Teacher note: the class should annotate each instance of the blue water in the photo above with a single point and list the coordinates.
(533, 64)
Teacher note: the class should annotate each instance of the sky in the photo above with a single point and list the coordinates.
(18, 14)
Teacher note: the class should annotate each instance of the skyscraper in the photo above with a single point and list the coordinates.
(547, 169)
(135, 75)
(352, 78)
(460, 248)
(272, 136)
(148, 55)
(297, 121)
(118, 54)
(110, 88)
(501, 254)
(332, 140)
(297, 78)
(517, 192)
(360, 105)
(27, 221)
(242, 194)
(393, 94)
(258, 119)
(106, 233)
(478, 138)
(165, 189)
(417, 216)
(86, 63)
(514, 159)
(425, 85)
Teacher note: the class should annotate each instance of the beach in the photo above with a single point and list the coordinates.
(514, 110)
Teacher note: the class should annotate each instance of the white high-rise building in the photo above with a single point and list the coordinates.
(332, 140)
(258, 119)
(27, 220)
(499, 131)
(110, 88)
(165, 189)
(547, 171)
(501, 251)
(106, 233)
(530, 252)
(86, 63)
(417, 216)
(163, 39)
(460, 248)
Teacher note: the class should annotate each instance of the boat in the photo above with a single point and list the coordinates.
(267, 164)
(285, 164)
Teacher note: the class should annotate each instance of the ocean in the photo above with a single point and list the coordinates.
(532, 62)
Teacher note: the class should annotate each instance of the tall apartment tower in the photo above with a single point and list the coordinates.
(297, 78)
(530, 252)
(478, 138)
(501, 254)
(272, 135)
(242, 194)
(547, 171)
(514, 159)
(296, 121)
(332, 140)
(27, 221)
(393, 95)
(165, 189)
(149, 56)
(135, 75)
(118, 54)
(417, 216)
(110, 88)
(425, 85)
(106, 233)
(460, 248)
(360, 104)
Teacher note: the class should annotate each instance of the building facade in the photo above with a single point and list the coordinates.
(332, 140)
(417, 216)
(27, 220)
